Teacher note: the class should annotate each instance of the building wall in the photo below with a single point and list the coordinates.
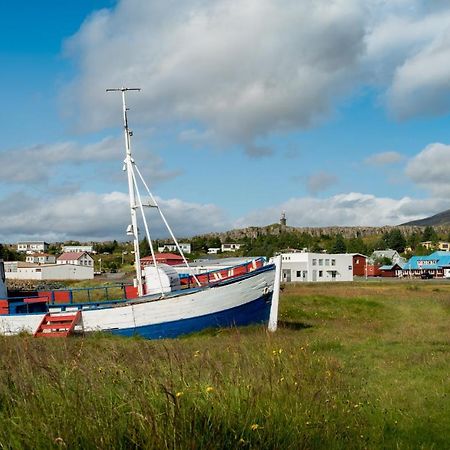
(84, 260)
(52, 272)
(359, 265)
(230, 247)
(30, 247)
(310, 267)
(77, 248)
(185, 247)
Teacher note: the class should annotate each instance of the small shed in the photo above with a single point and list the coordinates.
(391, 270)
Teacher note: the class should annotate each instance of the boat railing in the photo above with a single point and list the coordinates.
(38, 301)
(213, 277)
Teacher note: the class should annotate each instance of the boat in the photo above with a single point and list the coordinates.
(159, 304)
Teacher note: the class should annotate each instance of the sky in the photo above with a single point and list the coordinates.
(334, 112)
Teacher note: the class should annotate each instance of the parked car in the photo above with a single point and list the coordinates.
(426, 275)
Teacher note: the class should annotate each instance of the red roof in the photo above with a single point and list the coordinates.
(162, 256)
(167, 258)
(71, 256)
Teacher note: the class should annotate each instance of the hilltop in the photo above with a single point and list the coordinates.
(345, 231)
(440, 219)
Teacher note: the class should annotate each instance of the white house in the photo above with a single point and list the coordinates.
(32, 246)
(230, 247)
(77, 248)
(18, 270)
(41, 258)
(76, 259)
(185, 247)
(213, 250)
(305, 266)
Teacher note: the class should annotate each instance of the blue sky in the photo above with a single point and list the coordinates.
(335, 112)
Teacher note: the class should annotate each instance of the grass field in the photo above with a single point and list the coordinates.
(361, 365)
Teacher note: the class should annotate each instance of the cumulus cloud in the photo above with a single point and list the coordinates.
(320, 181)
(430, 169)
(384, 158)
(353, 209)
(37, 164)
(242, 70)
(89, 215)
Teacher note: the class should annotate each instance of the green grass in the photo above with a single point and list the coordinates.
(352, 366)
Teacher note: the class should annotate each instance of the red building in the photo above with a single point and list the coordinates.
(359, 265)
(373, 270)
(162, 258)
(391, 270)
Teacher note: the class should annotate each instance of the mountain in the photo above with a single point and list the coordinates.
(442, 218)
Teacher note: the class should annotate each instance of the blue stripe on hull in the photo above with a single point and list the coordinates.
(256, 311)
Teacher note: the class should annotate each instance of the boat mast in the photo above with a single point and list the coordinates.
(129, 167)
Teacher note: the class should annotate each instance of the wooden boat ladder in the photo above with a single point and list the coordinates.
(58, 325)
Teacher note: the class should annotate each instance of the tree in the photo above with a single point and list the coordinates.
(396, 240)
(339, 245)
(357, 245)
(429, 234)
(144, 248)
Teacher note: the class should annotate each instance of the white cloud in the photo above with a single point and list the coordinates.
(353, 209)
(88, 215)
(384, 158)
(431, 168)
(40, 163)
(320, 181)
(241, 69)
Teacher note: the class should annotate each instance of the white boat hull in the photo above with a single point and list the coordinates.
(235, 302)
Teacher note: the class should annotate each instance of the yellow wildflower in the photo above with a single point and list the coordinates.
(209, 389)
(179, 394)
(254, 426)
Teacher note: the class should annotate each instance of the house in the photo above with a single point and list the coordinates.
(437, 264)
(185, 247)
(392, 255)
(230, 247)
(77, 248)
(19, 270)
(41, 258)
(305, 266)
(76, 259)
(441, 245)
(213, 250)
(359, 264)
(373, 269)
(32, 247)
(162, 258)
(391, 270)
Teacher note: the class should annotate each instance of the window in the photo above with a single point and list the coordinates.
(314, 262)
(299, 273)
(327, 262)
(320, 262)
(333, 262)
(320, 273)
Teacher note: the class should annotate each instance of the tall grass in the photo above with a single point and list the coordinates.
(352, 366)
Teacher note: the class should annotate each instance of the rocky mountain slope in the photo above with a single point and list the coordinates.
(440, 219)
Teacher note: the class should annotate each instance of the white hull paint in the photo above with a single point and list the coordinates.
(186, 308)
